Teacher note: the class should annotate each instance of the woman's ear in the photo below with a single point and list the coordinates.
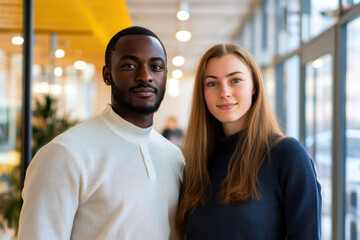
(106, 75)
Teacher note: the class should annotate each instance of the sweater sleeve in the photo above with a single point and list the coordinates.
(300, 190)
(50, 195)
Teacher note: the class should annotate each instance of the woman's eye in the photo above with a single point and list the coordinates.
(236, 80)
(211, 84)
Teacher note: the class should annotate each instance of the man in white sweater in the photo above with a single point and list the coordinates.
(112, 176)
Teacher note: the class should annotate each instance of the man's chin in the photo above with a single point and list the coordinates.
(145, 110)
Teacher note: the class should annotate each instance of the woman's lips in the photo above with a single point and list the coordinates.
(226, 106)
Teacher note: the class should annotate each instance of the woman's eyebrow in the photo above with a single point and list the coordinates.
(233, 73)
(210, 76)
(227, 75)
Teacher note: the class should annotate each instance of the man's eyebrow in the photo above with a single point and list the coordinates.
(129, 57)
(137, 58)
(153, 59)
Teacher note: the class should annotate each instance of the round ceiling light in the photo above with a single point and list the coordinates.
(177, 73)
(183, 36)
(178, 61)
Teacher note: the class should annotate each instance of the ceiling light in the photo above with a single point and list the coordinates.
(58, 71)
(17, 40)
(183, 13)
(59, 53)
(183, 36)
(178, 61)
(177, 73)
(80, 65)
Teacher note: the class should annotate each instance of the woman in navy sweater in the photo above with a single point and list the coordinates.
(243, 179)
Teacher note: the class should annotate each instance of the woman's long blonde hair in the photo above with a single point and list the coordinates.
(203, 131)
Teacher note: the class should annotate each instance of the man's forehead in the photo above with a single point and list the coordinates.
(140, 44)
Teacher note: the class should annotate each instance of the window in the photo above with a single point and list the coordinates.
(318, 15)
(352, 167)
(288, 25)
(318, 130)
(287, 96)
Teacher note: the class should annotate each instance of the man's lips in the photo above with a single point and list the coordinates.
(144, 92)
(147, 89)
(226, 106)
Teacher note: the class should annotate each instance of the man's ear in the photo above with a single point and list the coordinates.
(106, 75)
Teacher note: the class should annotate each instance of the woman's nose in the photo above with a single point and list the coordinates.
(225, 91)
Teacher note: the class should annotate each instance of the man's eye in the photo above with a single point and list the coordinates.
(128, 65)
(157, 67)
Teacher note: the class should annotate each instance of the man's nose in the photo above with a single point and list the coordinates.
(144, 75)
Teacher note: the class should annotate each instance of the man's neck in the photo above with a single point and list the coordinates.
(139, 120)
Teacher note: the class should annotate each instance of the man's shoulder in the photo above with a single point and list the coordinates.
(82, 130)
(79, 139)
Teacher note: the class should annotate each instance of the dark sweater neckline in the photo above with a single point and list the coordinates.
(227, 143)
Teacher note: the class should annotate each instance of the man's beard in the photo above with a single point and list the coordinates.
(119, 96)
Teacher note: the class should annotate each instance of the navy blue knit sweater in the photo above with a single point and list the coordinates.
(289, 207)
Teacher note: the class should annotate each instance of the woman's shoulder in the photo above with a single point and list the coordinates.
(286, 144)
(289, 152)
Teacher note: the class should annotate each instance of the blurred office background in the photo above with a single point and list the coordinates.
(309, 53)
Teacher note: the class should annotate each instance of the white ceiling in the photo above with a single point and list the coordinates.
(83, 27)
(210, 22)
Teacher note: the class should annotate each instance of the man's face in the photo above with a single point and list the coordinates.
(138, 75)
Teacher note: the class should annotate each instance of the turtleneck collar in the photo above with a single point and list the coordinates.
(226, 144)
(124, 128)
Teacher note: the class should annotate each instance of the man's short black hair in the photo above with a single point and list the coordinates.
(135, 30)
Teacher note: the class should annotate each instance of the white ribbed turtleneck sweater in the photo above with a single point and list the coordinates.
(103, 179)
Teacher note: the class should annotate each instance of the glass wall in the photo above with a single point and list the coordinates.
(309, 93)
(287, 96)
(346, 4)
(10, 123)
(72, 92)
(292, 93)
(352, 219)
(318, 131)
(317, 16)
(269, 85)
(267, 25)
(288, 25)
(245, 37)
(64, 81)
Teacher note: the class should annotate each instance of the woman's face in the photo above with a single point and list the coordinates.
(228, 90)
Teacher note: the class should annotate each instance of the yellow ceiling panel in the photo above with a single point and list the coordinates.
(82, 27)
